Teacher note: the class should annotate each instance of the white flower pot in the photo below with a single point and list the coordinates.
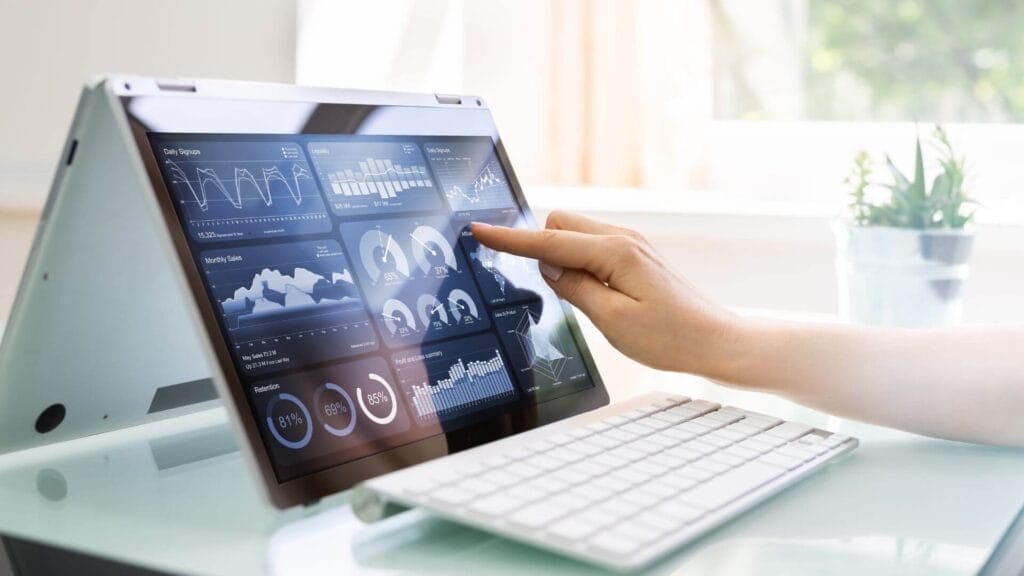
(901, 277)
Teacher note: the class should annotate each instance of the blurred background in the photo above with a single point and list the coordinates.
(721, 128)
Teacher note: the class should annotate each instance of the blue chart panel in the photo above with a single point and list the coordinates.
(416, 281)
(455, 378)
(503, 278)
(345, 411)
(541, 349)
(470, 175)
(289, 304)
(373, 177)
(242, 190)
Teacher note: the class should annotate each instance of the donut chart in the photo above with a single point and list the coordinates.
(431, 309)
(378, 399)
(381, 255)
(289, 421)
(462, 305)
(334, 405)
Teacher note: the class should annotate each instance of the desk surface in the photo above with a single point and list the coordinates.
(176, 495)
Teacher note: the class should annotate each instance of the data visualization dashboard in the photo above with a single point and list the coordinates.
(360, 312)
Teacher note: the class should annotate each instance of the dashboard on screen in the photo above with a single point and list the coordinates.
(360, 312)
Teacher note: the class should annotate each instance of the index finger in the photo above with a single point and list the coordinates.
(564, 248)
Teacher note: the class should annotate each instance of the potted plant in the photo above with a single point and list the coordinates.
(903, 247)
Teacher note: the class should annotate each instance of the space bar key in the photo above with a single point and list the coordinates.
(723, 489)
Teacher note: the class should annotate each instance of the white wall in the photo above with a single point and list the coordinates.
(48, 48)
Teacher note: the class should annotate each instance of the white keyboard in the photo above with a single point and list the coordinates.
(621, 486)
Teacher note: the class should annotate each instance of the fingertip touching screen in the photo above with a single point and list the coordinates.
(359, 311)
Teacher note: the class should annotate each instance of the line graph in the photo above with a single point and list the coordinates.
(363, 177)
(470, 175)
(240, 190)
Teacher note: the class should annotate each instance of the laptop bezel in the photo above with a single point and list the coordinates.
(311, 487)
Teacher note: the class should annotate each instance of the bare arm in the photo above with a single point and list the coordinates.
(964, 384)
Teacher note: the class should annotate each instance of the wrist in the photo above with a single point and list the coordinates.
(731, 351)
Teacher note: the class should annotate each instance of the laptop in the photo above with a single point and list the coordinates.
(307, 251)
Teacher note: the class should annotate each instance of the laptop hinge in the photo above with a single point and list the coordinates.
(176, 85)
(448, 99)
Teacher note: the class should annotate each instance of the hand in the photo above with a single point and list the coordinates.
(613, 276)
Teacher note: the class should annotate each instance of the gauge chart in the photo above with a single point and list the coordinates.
(242, 190)
(367, 177)
(471, 175)
(455, 378)
(287, 305)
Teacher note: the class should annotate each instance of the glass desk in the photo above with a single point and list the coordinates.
(177, 496)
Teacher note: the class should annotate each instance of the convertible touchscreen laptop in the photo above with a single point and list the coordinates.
(308, 251)
(305, 248)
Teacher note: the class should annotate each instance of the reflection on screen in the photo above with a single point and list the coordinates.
(360, 311)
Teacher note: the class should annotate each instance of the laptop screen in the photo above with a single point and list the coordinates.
(359, 311)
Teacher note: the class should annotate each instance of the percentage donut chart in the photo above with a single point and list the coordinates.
(394, 404)
(348, 428)
(306, 437)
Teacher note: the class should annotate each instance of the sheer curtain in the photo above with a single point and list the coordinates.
(601, 92)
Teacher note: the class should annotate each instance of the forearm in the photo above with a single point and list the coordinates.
(964, 384)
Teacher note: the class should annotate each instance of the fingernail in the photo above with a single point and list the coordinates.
(552, 273)
(480, 225)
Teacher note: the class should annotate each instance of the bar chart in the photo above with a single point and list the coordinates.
(361, 177)
(453, 379)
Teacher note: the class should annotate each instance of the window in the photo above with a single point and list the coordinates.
(740, 103)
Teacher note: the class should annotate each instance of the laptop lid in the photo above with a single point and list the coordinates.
(358, 327)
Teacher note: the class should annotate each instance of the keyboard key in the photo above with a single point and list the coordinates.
(730, 485)
(659, 489)
(500, 478)
(526, 494)
(476, 486)
(716, 440)
(572, 529)
(618, 508)
(727, 459)
(452, 495)
(788, 430)
(660, 521)
(780, 460)
(566, 454)
(567, 501)
(641, 499)
(632, 415)
(723, 416)
(755, 445)
(604, 441)
(636, 428)
(587, 448)
(571, 476)
(654, 423)
(613, 483)
(471, 469)
(670, 402)
(609, 460)
(702, 406)
(523, 470)
(732, 435)
(496, 505)
(646, 446)
(537, 515)
(597, 427)
(590, 468)
(711, 465)
(680, 510)
(662, 439)
(706, 422)
(615, 421)
(560, 439)
(496, 461)
(579, 433)
(544, 462)
(693, 428)
(700, 447)
(592, 492)
(596, 517)
(518, 453)
(793, 451)
(741, 452)
(667, 460)
(614, 543)
(627, 453)
(637, 530)
(679, 481)
(620, 435)
(770, 440)
(629, 475)
(835, 440)
(648, 468)
(670, 417)
(684, 453)
(695, 472)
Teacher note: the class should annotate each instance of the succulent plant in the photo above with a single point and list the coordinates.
(910, 203)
